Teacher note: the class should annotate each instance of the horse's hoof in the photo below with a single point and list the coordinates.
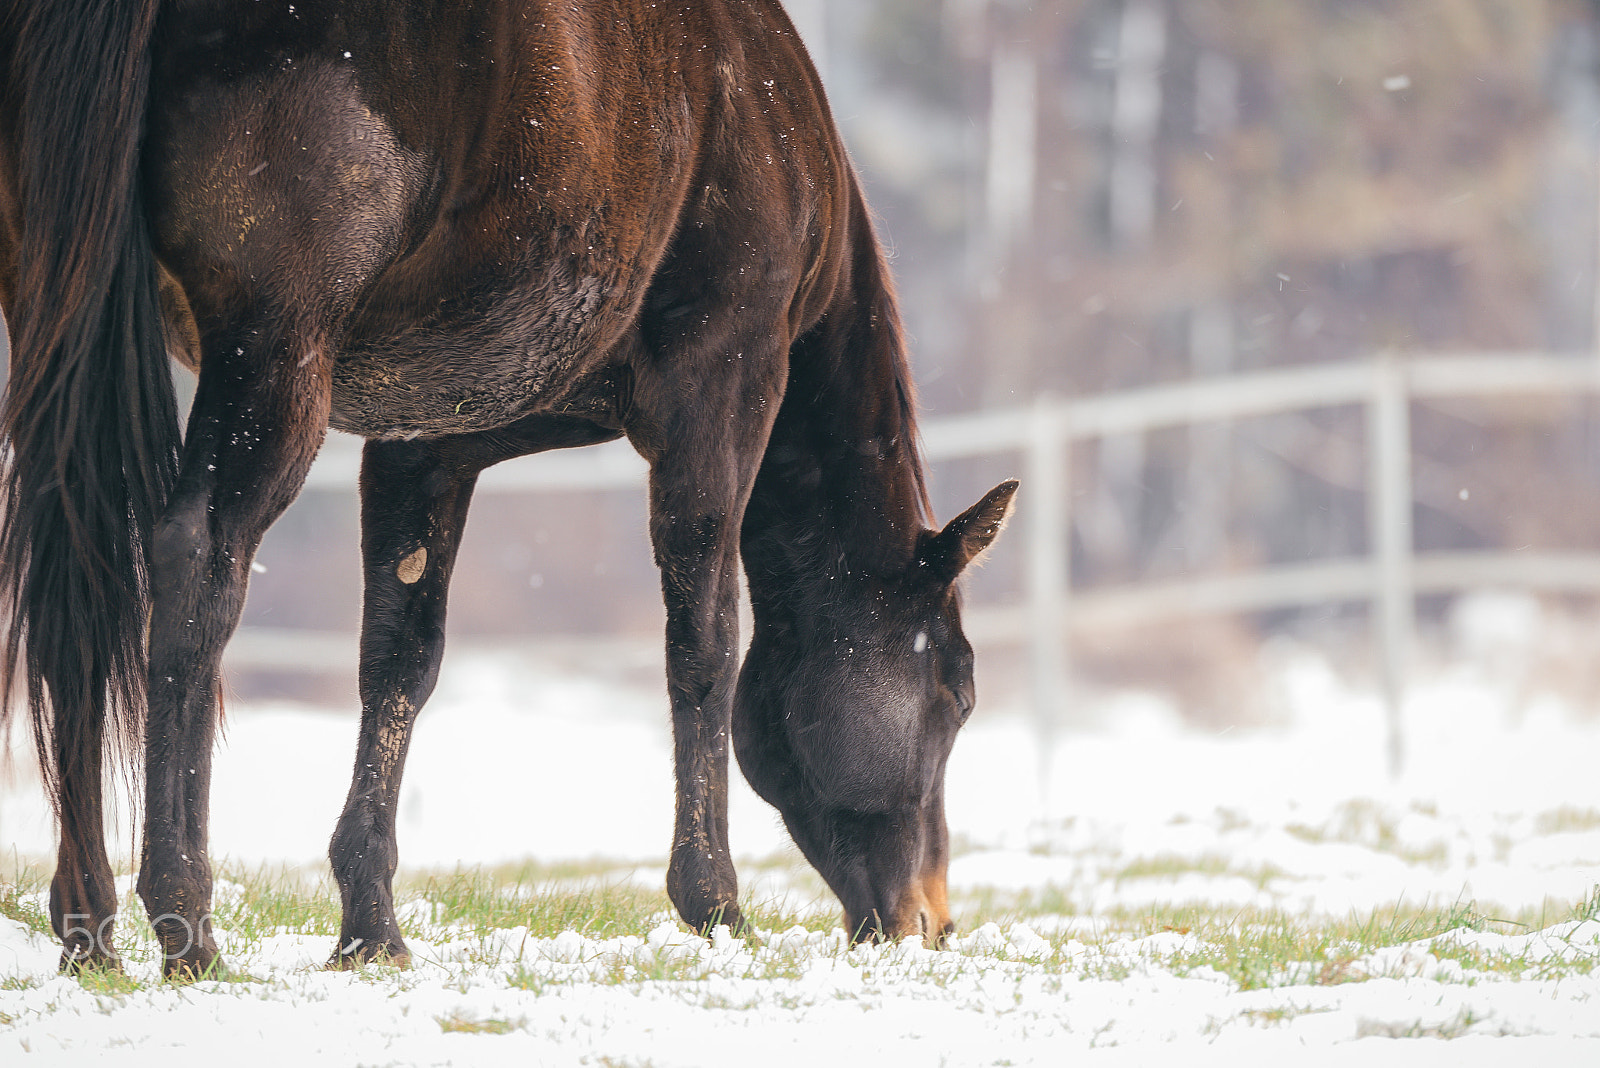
(732, 918)
(357, 954)
(195, 969)
(727, 916)
(81, 963)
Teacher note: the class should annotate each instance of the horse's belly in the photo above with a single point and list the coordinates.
(534, 345)
(387, 397)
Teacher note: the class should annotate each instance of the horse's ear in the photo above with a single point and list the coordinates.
(969, 535)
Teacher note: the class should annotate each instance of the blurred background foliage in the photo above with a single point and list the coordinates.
(1097, 195)
(1093, 195)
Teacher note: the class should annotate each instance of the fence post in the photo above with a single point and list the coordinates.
(1389, 517)
(1048, 505)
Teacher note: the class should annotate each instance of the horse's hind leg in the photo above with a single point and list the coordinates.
(413, 510)
(83, 894)
(258, 419)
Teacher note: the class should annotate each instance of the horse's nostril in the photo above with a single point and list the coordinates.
(922, 921)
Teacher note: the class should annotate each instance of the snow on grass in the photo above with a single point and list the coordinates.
(489, 989)
(1171, 898)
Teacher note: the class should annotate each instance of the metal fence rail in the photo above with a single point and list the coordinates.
(1044, 435)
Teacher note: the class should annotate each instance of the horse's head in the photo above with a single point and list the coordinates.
(846, 713)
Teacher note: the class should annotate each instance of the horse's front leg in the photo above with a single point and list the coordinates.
(414, 503)
(258, 419)
(704, 439)
(699, 574)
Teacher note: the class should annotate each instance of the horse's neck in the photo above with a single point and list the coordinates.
(840, 498)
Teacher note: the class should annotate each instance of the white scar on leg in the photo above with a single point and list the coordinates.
(410, 569)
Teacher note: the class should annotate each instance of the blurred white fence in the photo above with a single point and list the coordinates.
(1389, 577)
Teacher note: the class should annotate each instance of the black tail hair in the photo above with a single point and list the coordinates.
(89, 420)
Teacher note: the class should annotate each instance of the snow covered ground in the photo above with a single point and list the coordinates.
(1498, 817)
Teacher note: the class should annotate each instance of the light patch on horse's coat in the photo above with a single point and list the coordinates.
(410, 569)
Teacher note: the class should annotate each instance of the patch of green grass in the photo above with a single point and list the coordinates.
(725, 1003)
(820, 915)
(1170, 866)
(538, 872)
(665, 968)
(1366, 823)
(1229, 819)
(1389, 926)
(1258, 952)
(460, 1023)
(1436, 855)
(1101, 967)
(634, 966)
(270, 901)
(1279, 1014)
(990, 905)
(1559, 968)
(783, 964)
(1454, 1028)
(478, 902)
(1482, 960)
(18, 898)
(530, 979)
(1260, 949)
(108, 981)
(1589, 907)
(1567, 820)
(471, 909)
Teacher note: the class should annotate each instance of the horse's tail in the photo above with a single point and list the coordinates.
(89, 419)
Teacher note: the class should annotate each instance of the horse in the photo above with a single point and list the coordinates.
(467, 231)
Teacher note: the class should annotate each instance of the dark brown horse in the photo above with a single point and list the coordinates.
(467, 231)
